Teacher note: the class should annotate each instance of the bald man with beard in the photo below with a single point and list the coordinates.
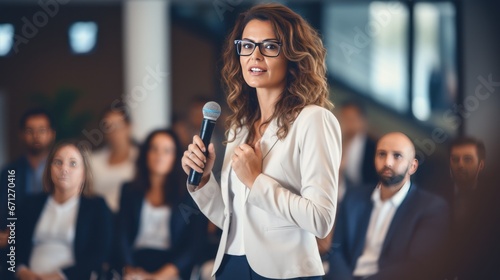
(394, 230)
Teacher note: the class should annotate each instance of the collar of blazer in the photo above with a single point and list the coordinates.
(267, 143)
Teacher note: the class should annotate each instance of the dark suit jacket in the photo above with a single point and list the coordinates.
(91, 246)
(418, 229)
(187, 224)
(368, 170)
(473, 247)
(369, 177)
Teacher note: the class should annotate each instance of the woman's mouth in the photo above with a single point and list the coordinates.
(257, 70)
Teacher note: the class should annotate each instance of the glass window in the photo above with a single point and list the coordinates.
(434, 67)
(6, 38)
(367, 49)
(369, 52)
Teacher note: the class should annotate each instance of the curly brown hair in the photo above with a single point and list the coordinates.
(306, 82)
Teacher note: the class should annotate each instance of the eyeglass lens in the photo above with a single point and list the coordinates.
(246, 48)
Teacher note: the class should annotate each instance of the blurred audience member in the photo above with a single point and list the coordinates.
(113, 165)
(467, 159)
(191, 125)
(37, 133)
(160, 226)
(65, 233)
(358, 147)
(344, 184)
(391, 231)
(473, 212)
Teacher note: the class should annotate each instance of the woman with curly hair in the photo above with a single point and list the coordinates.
(278, 185)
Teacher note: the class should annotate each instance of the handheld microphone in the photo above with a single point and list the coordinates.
(211, 112)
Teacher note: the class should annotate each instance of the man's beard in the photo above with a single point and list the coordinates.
(462, 176)
(36, 150)
(465, 178)
(393, 180)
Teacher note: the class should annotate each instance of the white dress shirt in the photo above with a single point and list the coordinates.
(354, 158)
(154, 227)
(108, 179)
(54, 236)
(380, 220)
(238, 194)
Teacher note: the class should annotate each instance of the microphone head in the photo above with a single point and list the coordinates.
(211, 110)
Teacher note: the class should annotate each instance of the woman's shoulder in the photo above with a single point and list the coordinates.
(94, 201)
(37, 197)
(128, 186)
(130, 190)
(313, 113)
(35, 202)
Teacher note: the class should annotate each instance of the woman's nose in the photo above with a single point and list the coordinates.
(256, 55)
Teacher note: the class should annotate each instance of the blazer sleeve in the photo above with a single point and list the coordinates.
(94, 239)
(319, 140)
(209, 200)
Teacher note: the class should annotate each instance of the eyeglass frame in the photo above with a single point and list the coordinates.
(236, 42)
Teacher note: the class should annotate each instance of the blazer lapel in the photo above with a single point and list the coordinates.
(138, 203)
(269, 138)
(398, 219)
(226, 166)
(39, 206)
(80, 229)
(363, 228)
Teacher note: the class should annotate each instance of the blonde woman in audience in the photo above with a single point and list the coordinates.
(65, 233)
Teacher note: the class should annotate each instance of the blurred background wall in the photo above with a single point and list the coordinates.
(428, 68)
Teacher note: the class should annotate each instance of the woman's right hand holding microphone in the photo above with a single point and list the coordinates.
(194, 158)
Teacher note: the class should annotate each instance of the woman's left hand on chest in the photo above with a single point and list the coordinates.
(247, 163)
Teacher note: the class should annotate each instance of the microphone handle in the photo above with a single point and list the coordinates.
(207, 127)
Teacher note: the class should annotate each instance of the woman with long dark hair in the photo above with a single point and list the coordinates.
(158, 231)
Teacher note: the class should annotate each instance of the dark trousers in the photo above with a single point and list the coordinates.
(237, 267)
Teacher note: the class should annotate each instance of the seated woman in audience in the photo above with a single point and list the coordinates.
(64, 233)
(159, 223)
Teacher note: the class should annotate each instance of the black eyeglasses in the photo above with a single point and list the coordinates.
(266, 48)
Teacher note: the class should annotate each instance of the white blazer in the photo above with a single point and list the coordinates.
(291, 202)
